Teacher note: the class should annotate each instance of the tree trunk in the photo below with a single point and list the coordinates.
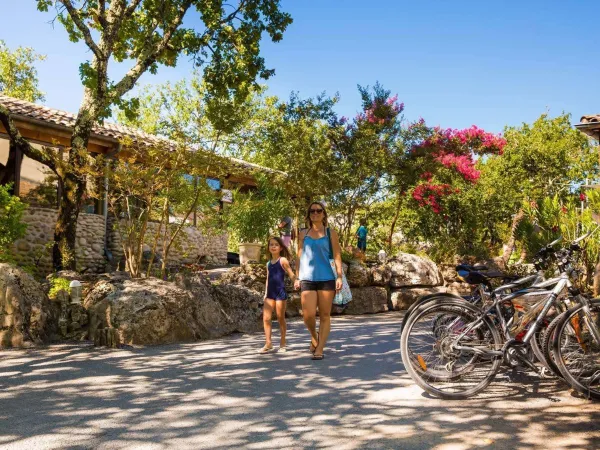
(72, 181)
(393, 224)
(510, 245)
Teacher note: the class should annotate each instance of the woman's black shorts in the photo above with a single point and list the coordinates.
(328, 285)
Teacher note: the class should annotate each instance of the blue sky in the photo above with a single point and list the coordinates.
(453, 62)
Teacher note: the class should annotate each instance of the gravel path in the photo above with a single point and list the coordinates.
(222, 394)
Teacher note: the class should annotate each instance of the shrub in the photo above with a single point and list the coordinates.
(11, 227)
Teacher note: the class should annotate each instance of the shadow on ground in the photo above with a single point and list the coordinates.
(222, 394)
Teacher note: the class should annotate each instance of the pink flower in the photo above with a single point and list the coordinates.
(582, 197)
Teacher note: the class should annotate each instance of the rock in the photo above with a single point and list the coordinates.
(294, 306)
(368, 300)
(27, 315)
(403, 298)
(381, 275)
(357, 275)
(412, 270)
(253, 276)
(459, 288)
(449, 272)
(152, 311)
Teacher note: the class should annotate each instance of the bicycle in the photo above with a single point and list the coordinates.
(464, 353)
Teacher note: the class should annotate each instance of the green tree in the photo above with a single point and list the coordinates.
(225, 43)
(542, 159)
(18, 78)
(18, 74)
(11, 227)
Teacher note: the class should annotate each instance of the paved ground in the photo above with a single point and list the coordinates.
(221, 394)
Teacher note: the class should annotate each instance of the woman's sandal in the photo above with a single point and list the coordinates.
(318, 357)
(312, 347)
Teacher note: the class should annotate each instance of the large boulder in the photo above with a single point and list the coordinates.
(251, 275)
(412, 270)
(381, 275)
(357, 275)
(294, 305)
(368, 300)
(152, 311)
(403, 298)
(27, 316)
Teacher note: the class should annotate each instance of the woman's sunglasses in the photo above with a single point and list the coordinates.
(315, 211)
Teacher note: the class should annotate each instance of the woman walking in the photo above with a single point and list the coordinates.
(315, 277)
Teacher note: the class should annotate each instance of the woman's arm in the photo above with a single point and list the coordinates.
(288, 269)
(337, 257)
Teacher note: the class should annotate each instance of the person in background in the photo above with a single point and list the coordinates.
(361, 235)
(285, 230)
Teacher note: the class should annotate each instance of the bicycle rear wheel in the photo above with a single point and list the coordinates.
(431, 359)
(576, 352)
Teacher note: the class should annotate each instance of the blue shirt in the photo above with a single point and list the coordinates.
(362, 232)
(314, 262)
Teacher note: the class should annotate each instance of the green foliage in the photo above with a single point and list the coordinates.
(18, 75)
(11, 213)
(253, 215)
(225, 41)
(58, 284)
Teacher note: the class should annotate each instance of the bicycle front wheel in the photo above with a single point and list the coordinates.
(442, 361)
(576, 349)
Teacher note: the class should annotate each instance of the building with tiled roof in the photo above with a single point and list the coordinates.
(590, 125)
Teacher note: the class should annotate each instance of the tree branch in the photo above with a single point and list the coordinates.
(29, 150)
(131, 9)
(149, 55)
(87, 36)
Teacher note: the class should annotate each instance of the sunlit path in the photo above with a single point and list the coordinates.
(222, 394)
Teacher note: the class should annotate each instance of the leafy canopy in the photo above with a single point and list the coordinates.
(18, 75)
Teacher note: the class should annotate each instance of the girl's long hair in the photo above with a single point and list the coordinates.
(285, 252)
(307, 218)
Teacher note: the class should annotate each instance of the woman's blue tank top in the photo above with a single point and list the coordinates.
(314, 262)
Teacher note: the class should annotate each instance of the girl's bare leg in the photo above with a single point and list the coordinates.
(280, 306)
(268, 308)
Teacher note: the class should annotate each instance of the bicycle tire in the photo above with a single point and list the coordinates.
(487, 330)
(547, 341)
(561, 353)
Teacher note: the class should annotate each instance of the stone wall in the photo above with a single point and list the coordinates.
(190, 246)
(34, 248)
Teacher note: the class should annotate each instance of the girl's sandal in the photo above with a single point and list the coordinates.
(265, 349)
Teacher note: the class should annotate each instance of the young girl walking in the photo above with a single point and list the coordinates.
(275, 295)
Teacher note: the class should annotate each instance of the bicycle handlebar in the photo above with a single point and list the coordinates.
(585, 236)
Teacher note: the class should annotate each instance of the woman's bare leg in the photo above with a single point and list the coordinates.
(309, 313)
(325, 300)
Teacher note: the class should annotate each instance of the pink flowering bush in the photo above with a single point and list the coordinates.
(428, 194)
(446, 156)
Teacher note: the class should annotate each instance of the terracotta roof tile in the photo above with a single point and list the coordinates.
(67, 119)
(592, 118)
(107, 129)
